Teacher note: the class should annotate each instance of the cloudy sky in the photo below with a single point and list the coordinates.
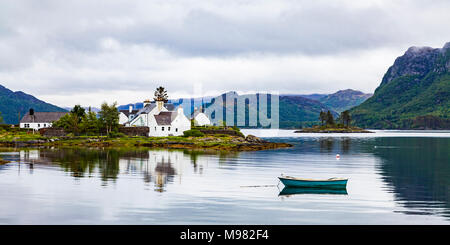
(87, 52)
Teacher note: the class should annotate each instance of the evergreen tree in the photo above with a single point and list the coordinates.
(161, 94)
(79, 111)
(330, 119)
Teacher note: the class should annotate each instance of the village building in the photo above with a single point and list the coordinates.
(37, 120)
(125, 116)
(161, 118)
(200, 118)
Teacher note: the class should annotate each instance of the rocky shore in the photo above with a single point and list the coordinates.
(210, 142)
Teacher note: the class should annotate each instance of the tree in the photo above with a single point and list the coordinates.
(69, 123)
(90, 124)
(346, 118)
(330, 119)
(161, 94)
(109, 117)
(323, 117)
(79, 111)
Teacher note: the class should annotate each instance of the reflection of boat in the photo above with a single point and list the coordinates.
(292, 191)
(298, 182)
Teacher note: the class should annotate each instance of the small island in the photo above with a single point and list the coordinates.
(328, 124)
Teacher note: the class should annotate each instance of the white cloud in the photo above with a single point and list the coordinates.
(93, 51)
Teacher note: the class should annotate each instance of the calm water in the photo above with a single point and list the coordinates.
(395, 178)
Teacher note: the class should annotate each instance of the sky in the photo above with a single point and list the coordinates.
(89, 52)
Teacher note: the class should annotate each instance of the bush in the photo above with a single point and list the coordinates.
(115, 134)
(193, 133)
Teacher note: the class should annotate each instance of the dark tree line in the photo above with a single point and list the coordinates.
(327, 119)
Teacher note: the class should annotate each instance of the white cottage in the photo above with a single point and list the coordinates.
(38, 120)
(200, 118)
(162, 119)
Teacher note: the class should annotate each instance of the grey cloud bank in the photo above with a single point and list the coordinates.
(69, 51)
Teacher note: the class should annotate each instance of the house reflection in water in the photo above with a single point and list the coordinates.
(157, 167)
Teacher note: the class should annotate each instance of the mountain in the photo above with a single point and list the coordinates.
(86, 108)
(344, 99)
(11, 103)
(413, 94)
(295, 111)
(308, 96)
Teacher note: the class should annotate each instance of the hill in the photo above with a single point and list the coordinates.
(413, 94)
(295, 111)
(344, 99)
(13, 103)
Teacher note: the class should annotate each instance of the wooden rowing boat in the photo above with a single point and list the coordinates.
(289, 181)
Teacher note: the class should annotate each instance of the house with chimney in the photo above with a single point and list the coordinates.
(37, 120)
(163, 119)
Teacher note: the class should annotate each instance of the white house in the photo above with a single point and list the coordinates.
(37, 120)
(125, 116)
(162, 119)
(200, 118)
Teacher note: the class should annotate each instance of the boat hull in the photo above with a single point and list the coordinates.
(341, 183)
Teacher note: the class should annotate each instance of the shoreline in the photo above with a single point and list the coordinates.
(213, 143)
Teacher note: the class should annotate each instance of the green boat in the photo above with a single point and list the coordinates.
(289, 181)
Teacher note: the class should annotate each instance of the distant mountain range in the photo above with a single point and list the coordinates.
(14, 105)
(413, 94)
(344, 99)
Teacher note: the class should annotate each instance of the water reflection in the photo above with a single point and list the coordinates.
(158, 167)
(289, 191)
(418, 172)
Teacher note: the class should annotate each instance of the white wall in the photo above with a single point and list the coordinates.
(123, 118)
(35, 125)
(201, 120)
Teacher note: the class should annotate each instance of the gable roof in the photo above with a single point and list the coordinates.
(165, 117)
(42, 117)
(127, 112)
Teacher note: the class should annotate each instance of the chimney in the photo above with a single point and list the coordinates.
(160, 104)
(130, 109)
(180, 110)
(32, 113)
(146, 102)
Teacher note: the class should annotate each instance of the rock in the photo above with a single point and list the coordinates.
(253, 139)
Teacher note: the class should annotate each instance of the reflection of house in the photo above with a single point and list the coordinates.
(161, 118)
(200, 118)
(37, 120)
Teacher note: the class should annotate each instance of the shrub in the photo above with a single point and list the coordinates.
(113, 134)
(193, 133)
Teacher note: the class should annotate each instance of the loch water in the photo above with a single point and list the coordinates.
(395, 177)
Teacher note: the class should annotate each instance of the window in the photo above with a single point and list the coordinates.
(168, 128)
(176, 129)
(39, 125)
(45, 125)
(162, 128)
(155, 128)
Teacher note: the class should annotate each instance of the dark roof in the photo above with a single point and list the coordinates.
(127, 112)
(169, 106)
(165, 117)
(42, 117)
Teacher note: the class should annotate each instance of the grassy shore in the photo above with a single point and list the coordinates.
(221, 142)
(333, 129)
